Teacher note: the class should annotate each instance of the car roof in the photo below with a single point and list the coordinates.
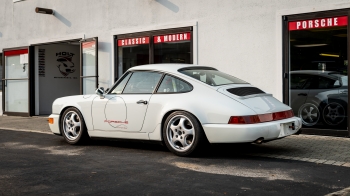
(166, 67)
(314, 72)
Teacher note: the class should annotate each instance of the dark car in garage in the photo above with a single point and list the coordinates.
(319, 98)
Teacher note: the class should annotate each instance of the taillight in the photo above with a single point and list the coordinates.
(261, 118)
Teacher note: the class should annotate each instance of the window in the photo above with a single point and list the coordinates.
(319, 82)
(173, 85)
(172, 48)
(142, 82)
(119, 88)
(133, 52)
(152, 47)
(211, 76)
(297, 81)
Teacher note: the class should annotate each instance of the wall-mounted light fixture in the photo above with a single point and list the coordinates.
(44, 11)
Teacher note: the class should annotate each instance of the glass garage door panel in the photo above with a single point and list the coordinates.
(318, 72)
(16, 84)
(16, 96)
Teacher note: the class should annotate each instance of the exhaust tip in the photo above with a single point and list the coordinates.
(259, 141)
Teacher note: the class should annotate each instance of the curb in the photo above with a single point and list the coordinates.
(317, 161)
(25, 130)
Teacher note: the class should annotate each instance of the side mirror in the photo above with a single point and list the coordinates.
(101, 92)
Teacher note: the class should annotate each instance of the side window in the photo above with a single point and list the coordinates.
(297, 81)
(142, 82)
(173, 85)
(119, 88)
(326, 83)
(323, 83)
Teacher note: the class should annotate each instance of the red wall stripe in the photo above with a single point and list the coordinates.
(15, 52)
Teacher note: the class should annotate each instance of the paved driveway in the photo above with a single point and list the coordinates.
(309, 148)
(44, 164)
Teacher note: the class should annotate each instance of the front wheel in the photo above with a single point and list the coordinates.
(72, 126)
(182, 134)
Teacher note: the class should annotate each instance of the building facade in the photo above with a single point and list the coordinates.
(296, 50)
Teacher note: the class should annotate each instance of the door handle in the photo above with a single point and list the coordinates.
(302, 94)
(142, 101)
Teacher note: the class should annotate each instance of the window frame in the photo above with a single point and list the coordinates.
(156, 86)
(151, 35)
(164, 75)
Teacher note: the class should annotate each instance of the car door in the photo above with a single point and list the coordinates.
(136, 95)
(113, 117)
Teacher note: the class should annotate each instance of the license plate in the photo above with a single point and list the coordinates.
(287, 129)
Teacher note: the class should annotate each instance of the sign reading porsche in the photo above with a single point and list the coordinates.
(318, 23)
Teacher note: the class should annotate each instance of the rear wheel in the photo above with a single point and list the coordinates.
(72, 126)
(182, 134)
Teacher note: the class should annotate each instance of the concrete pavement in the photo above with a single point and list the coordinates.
(44, 164)
(309, 148)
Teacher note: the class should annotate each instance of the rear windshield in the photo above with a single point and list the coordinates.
(212, 77)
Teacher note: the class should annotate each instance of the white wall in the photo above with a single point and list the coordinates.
(242, 38)
(54, 85)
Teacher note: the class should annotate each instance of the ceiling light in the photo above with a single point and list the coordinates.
(330, 55)
(309, 45)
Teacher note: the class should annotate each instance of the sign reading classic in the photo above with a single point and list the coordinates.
(318, 23)
(133, 41)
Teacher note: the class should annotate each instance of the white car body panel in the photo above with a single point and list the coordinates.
(119, 116)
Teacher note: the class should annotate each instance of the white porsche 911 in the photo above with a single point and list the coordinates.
(184, 106)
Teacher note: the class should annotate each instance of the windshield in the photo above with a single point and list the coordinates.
(211, 76)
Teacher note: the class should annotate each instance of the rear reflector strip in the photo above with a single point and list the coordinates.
(261, 118)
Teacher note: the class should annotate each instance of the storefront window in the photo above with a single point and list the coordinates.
(16, 83)
(0, 72)
(161, 46)
(132, 52)
(172, 48)
(318, 72)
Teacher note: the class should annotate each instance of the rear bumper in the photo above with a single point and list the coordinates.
(228, 133)
(55, 126)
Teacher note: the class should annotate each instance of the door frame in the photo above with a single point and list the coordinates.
(30, 73)
(285, 62)
(81, 63)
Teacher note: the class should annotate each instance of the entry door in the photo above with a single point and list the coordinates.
(16, 82)
(89, 66)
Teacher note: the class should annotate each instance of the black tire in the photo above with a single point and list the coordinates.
(194, 143)
(81, 135)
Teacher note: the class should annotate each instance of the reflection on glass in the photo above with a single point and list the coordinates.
(89, 58)
(89, 85)
(89, 67)
(16, 96)
(131, 56)
(1, 72)
(14, 69)
(318, 77)
(16, 91)
(172, 52)
(142, 83)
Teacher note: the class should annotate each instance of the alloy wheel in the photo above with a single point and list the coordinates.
(71, 125)
(180, 133)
